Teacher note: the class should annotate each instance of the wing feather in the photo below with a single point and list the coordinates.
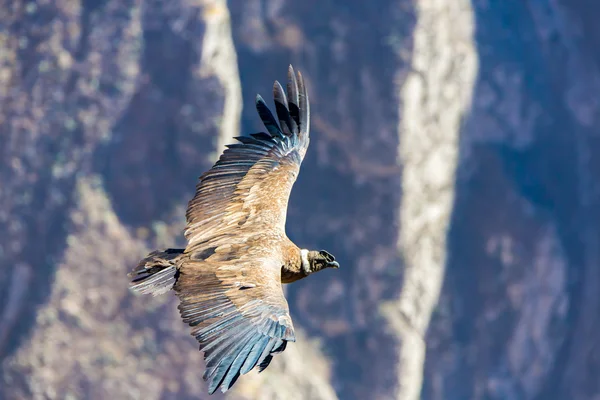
(293, 100)
(267, 117)
(237, 329)
(304, 116)
(281, 107)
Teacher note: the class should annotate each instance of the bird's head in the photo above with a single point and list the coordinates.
(318, 260)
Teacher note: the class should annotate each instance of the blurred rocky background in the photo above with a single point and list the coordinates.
(451, 171)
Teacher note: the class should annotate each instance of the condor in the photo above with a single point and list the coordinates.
(229, 277)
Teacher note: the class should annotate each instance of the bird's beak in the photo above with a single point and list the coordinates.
(334, 264)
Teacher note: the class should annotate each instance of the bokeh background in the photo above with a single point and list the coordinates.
(453, 171)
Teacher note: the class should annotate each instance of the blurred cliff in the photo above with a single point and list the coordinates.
(451, 171)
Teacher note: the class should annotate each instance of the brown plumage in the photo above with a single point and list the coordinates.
(228, 278)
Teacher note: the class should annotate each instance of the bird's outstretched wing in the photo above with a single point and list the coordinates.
(249, 186)
(239, 316)
(230, 287)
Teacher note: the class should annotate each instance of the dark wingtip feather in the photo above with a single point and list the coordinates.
(293, 100)
(281, 108)
(304, 106)
(279, 94)
(263, 365)
(292, 86)
(267, 117)
(292, 109)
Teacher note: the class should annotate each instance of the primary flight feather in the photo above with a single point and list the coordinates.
(229, 277)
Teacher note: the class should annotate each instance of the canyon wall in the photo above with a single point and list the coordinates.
(451, 171)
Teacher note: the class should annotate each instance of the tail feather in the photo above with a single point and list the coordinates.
(157, 273)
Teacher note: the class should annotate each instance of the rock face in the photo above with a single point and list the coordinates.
(451, 171)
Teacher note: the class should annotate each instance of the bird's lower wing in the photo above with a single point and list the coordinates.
(239, 316)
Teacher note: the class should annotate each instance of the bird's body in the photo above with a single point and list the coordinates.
(228, 278)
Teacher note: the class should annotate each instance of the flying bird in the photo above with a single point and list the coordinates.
(229, 277)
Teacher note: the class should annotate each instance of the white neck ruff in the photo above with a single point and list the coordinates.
(305, 263)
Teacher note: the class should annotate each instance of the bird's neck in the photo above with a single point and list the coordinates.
(296, 264)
